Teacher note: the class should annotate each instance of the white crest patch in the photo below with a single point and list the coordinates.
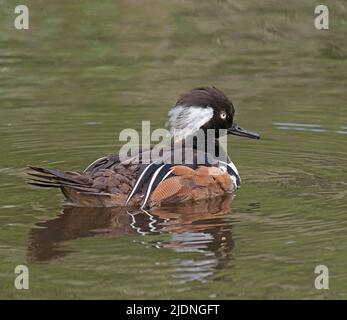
(185, 120)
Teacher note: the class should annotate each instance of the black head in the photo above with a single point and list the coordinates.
(206, 108)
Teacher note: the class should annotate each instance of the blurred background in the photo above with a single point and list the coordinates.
(85, 70)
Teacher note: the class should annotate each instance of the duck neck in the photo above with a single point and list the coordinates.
(210, 145)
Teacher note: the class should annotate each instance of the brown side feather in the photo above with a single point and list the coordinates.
(188, 184)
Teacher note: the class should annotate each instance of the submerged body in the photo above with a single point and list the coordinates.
(110, 182)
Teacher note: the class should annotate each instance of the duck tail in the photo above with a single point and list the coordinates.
(51, 178)
(77, 187)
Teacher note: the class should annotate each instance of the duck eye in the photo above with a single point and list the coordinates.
(223, 115)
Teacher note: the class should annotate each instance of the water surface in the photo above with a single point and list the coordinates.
(86, 70)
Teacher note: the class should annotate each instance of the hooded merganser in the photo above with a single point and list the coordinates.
(109, 181)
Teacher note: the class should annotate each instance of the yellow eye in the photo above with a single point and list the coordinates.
(223, 115)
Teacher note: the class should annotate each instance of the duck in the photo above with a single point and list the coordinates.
(208, 172)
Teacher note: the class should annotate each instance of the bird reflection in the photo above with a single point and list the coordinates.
(203, 228)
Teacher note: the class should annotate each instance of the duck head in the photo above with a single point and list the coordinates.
(205, 108)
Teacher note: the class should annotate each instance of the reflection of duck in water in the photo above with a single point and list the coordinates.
(204, 228)
(200, 175)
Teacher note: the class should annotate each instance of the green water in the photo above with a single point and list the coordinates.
(85, 70)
